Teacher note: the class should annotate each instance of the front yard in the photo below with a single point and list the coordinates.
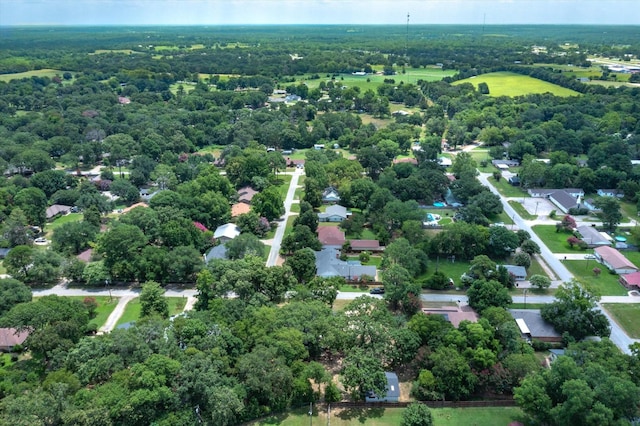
(557, 241)
(606, 283)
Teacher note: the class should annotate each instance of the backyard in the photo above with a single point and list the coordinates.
(557, 241)
(506, 189)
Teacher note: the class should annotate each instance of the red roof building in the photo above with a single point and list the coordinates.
(630, 280)
(9, 337)
(366, 245)
(331, 236)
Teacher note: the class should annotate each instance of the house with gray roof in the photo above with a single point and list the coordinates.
(593, 237)
(328, 264)
(57, 210)
(334, 213)
(517, 271)
(226, 232)
(531, 324)
(217, 252)
(330, 195)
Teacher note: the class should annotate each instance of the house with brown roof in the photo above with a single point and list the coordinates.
(331, 236)
(57, 210)
(240, 208)
(366, 245)
(246, 194)
(10, 337)
(614, 260)
(454, 314)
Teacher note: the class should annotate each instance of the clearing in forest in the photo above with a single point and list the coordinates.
(512, 84)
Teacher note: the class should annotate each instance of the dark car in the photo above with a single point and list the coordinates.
(377, 290)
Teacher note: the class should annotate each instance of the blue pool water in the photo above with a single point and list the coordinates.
(621, 239)
(430, 217)
(438, 204)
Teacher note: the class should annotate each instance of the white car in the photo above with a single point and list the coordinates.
(589, 256)
(40, 240)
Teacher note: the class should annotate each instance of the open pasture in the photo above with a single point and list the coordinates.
(512, 84)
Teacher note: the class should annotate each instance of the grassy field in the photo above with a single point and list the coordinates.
(522, 212)
(512, 84)
(106, 305)
(506, 189)
(556, 241)
(132, 310)
(35, 73)
(627, 316)
(393, 416)
(535, 268)
(365, 82)
(283, 186)
(606, 283)
(451, 269)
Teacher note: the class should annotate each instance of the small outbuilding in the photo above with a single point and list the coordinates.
(226, 232)
(393, 390)
(334, 213)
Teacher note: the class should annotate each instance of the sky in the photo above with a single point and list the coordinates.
(233, 12)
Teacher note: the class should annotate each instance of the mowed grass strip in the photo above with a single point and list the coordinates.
(522, 212)
(627, 315)
(28, 74)
(490, 416)
(506, 189)
(512, 84)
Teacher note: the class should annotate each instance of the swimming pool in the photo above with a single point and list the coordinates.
(438, 204)
(621, 239)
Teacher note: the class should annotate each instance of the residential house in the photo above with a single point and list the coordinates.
(519, 272)
(590, 204)
(532, 326)
(240, 208)
(10, 337)
(631, 280)
(331, 236)
(593, 237)
(246, 194)
(610, 193)
(330, 195)
(393, 390)
(406, 160)
(614, 260)
(217, 252)
(57, 210)
(504, 164)
(454, 314)
(226, 232)
(564, 199)
(328, 264)
(366, 245)
(334, 213)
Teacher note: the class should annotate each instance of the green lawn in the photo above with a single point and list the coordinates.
(629, 210)
(132, 310)
(106, 305)
(556, 241)
(71, 217)
(535, 268)
(512, 84)
(502, 217)
(283, 185)
(522, 212)
(3, 270)
(606, 283)
(627, 316)
(373, 260)
(506, 189)
(498, 416)
(529, 306)
(451, 269)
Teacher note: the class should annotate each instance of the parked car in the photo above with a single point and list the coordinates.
(589, 256)
(40, 240)
(377, 290)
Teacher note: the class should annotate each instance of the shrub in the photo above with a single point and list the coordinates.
(522, 259)
(438, 281)
(552, 214)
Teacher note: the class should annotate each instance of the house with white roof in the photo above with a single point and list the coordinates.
(226, 232)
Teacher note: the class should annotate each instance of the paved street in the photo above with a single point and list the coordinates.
(274, 253)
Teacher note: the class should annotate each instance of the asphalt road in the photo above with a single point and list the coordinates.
(282, 224)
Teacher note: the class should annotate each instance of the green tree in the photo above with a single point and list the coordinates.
(452, 373)
(362, 373)
(33, 203)
(417, 414)
(245, 245)
(18, 262)
(502, 242)
(522, 259)
(530, 247)
(268, 203)
(73, 237)
(12, 292)
(152, 300)
(540, 281)
(121, 246)
(575, 311)
(303, 264)
(483, 294)
(15, 229)
(610, 214)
